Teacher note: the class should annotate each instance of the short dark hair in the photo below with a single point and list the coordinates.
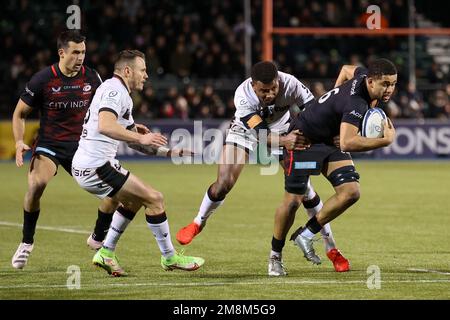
(264, 71)
(69, 35)
(126, 57)
(381, 67)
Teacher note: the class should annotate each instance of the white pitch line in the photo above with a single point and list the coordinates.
(11, 224)
(429, 271)
(210, 284)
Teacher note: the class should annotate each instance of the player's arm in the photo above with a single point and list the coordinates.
(21, 111)
(108, 125)
(347, 72)
(293, 140)
(350, 141)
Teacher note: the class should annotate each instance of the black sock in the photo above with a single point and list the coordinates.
(102, 225)
(156, 219)
(313, 225)
(29, 225)
(277, 245)
(126, 213)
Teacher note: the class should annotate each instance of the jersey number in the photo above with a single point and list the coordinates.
(328, 94)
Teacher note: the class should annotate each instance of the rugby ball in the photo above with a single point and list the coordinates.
(373, 123)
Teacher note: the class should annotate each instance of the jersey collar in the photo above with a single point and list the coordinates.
(123, 82)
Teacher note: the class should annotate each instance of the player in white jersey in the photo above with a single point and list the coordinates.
(95, 168)
(263, 102)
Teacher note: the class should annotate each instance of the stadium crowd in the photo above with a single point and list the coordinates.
(196, 52)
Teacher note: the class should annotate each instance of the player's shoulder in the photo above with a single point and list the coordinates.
(44, 74)
(92, 73)
(114, 88)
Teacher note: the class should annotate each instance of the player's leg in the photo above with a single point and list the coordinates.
(42, 170)
(230, 167)
(313, 204)
(344, 179)
(105, 213)
(284, 218)
(134, 192)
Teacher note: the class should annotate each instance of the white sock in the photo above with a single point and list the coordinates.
(207, 208)
(162, 235)
(326, 233)
(307, 233)
(274, 253)
(118, 225)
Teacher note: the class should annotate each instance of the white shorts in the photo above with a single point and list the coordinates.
(245, 139)
(104, 181)
(241, 137)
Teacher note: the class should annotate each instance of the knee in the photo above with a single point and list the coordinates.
(294, 203)
(156, 198)
(36, 186)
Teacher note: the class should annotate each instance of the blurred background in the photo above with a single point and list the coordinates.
(198, 53)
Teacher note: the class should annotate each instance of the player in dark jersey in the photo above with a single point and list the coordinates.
(338, 112)
(61, 93)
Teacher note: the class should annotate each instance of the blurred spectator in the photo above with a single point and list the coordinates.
(189, 44)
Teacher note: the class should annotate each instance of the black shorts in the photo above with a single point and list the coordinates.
(299, 165)
(61, 153)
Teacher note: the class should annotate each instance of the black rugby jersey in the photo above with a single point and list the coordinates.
(321, 120)
(62, 101)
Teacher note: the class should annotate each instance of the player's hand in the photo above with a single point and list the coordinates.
(295, 140)
(153, 139)
(337, 141)
(389, 131)
(142, 129)
(181, 153)
(21, 149)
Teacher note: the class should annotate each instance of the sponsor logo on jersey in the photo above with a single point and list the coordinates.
(352, 90)
(31, 93)
(356, 114)
(87, 87)
(57, 89)
(68, 104)
(112, 94)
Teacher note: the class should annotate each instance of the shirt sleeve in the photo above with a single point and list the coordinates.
(354, 113)
(360, 71)
(243, 106)
(302, 93)
(32, 93)
(111, 101)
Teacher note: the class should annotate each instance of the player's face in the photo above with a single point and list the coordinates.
(139, 74)
(266, 92)
(73, 56)
(383, 88)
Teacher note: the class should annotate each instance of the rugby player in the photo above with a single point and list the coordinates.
(338, 112)
(108, 121)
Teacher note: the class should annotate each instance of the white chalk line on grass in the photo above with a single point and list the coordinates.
(429, 271)
(11, 224)
(211, 284)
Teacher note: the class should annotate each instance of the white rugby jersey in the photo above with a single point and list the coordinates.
(292, 92)
(94, 148)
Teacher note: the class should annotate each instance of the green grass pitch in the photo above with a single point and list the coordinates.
(401, 225)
